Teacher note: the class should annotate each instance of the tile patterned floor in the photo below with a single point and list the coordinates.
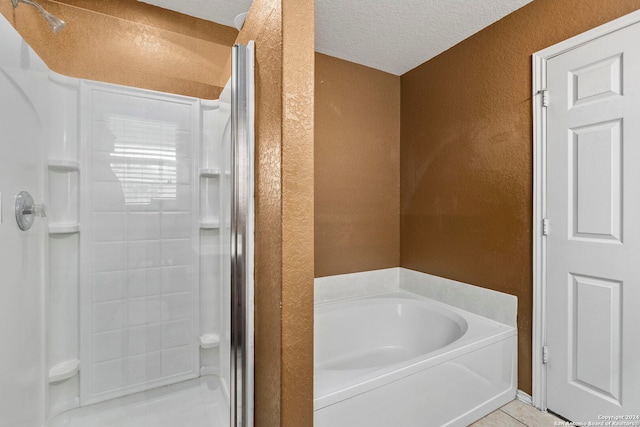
(517, 414)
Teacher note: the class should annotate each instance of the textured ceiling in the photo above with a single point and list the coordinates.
(398, 35)
(391, 35)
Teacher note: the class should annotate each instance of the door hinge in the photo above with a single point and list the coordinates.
(545, 354)
(545, 227)
(545, 97)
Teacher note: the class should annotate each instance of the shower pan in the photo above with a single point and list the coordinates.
(127, 266)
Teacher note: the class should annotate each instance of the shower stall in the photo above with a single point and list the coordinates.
(126, 250)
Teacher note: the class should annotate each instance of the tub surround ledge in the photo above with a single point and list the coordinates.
(484, 302)
(342, 286)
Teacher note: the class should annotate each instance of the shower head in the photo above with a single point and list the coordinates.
(56, 23)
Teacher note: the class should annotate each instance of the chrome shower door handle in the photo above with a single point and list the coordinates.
(27, 210)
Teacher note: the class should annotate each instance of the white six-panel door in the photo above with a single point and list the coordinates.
(593, 241)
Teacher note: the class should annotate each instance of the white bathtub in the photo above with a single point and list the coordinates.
(401, 360)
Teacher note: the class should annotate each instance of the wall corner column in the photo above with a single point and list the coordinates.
(298, 72)
(283, 31)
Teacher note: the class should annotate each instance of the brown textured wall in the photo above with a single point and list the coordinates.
(297, 211)
(357, 168)
(283, 31)
(466, 153)
(129, 43)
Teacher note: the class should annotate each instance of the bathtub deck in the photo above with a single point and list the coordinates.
(193, 403)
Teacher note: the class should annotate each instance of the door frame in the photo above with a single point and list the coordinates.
(539, 82)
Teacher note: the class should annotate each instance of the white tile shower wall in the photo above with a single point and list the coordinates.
(140, 252)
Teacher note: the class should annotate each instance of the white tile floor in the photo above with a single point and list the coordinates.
(194, 403)
(517, 414)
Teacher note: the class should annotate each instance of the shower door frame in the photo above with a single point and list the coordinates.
(242, 232)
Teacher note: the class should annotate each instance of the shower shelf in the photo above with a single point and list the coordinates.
(210, 224)
(64, 370)
(209, 173)
(209, 104)
(209, 340)
(64, 228)
(64, 165)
